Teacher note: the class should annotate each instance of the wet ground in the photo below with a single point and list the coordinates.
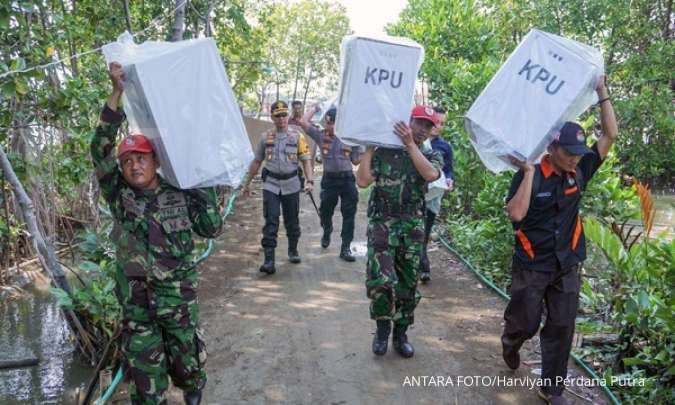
(33, 326)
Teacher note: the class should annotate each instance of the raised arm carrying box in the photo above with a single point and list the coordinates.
(178, 95)
(377, 87)
(546, 81)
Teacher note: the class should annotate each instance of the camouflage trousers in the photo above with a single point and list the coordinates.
(161, 338)
(394, 248)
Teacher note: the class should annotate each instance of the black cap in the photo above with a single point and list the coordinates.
(278, 107)
(573, 139)
(330, 114)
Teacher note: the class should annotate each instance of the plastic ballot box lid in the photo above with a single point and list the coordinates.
(377, 87)
(546, 81)
(179, 96)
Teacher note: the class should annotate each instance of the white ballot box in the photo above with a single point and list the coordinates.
(178, 95)
(546, 81)
(377, 86)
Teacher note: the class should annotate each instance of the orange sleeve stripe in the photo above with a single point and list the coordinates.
(578, 226)
(571, 190)
(527, 246)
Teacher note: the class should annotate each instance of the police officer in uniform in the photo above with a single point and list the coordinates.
(294, 121)
(280, 149)
(396, 227)
(543, 204)
(337, 182)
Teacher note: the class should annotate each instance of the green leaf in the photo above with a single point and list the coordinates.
(671, 370)
(9, 89)
(634, 361)
(4, 19)
(643, 300)
(62, 297)
(89, 266)
(21, 87)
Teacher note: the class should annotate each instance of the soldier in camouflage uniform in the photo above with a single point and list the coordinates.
(156, 274)
(396, 227)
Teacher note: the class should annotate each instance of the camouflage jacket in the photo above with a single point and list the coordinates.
(152, 230)
(399, 188)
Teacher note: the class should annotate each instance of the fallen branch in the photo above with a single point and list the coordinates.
(18, 363)
(601, 339)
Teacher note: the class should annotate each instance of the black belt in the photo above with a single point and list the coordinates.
(339, 175)
(279, 176)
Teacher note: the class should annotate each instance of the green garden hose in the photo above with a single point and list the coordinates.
(118, 376)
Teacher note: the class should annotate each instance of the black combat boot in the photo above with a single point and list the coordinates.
(425, 267)
(401, 344)
(293, 255)
(346, 253)
(511, 356)
(381, 339)
(325, 239)
(192, 398)
(268, 265)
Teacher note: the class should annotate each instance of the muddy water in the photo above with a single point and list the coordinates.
(665, 210)
(33, 326)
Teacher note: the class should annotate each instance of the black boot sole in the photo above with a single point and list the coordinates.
(405, 355)
(382, 351)
(267, 270)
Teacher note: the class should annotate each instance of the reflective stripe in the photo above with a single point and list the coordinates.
(578, 226)
(527, 246)
(571, 190)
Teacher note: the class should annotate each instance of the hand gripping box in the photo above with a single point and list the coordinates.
(546, 81)
(178, 95)
(378, 76)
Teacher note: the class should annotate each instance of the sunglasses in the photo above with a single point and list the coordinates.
(281, 115)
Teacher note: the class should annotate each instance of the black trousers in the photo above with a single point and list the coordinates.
(273, 205)
(344, 189)
(530, 291)
(425, 266)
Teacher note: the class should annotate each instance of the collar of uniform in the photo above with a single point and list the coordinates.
(547, 167)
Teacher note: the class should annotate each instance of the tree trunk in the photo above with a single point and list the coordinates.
(179, 21)
(666, 20)
(208, 32)
(45, 252)
(309, 80)
(297, 76)
(7, 250)
(127, 16)
(42, 246)
(71, 46)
